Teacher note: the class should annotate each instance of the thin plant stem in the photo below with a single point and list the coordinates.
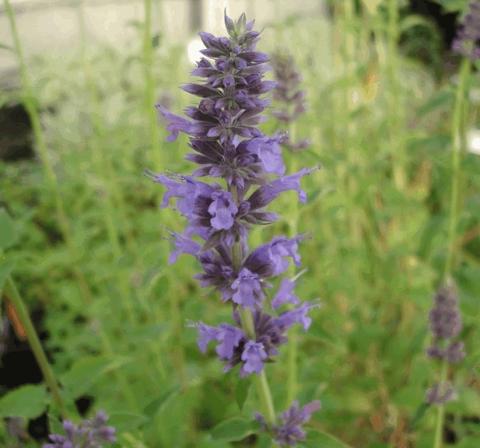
(29, 102)
(292, 348)
(438, 440)
(261, 382)
(35, 344)
(458, 120)
(150, 98)
(395, 117)
(246, 317)
(457, 143)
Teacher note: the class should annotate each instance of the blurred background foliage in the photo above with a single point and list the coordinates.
(113, 314)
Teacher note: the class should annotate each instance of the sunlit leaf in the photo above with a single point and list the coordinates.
(27, 401)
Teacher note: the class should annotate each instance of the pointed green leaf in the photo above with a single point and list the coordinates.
(241, 392)
(155, 405)
(126, 421)
(86, 372)
(8, 234)
(6, 267)
(234, 429)
(316, 439)
(26, 401)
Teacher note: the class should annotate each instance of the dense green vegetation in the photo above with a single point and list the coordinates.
(86, 245)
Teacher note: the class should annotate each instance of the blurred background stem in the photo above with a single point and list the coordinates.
(292, 222)
(458, 131)
(458, 138)
(150, 97)
(35, 344)
(30, 104)
(396, 116)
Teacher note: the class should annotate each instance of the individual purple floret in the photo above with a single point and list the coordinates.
(467, 40)
(440, 394)
(289, 432)
(92, 433)
(289, 97)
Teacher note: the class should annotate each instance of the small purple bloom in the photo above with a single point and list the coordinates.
(440, 394)
(269, 153)
(253, 356)
(247, 289)
(92, 433)
(223, 210)
(290, 431)
(272, 259)
(285, 294)
(298, 315)
(183, 245)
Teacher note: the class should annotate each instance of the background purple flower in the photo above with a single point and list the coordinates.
(467, 40)
(91, 433)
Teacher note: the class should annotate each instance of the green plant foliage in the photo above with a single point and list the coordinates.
(26, 401)
(115, 317)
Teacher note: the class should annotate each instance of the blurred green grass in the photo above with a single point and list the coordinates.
(379, 121)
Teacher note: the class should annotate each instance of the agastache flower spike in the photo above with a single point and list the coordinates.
(288, 96)
(227, 144)
(467, 41)
(445, 325)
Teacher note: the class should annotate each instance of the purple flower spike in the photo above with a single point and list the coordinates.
(288, 97)
(467, 40)
(226, 143)
(445, 325)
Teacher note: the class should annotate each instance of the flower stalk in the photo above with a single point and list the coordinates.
(466, 44)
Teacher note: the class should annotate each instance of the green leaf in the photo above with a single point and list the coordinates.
(234, 429)
(438, 100)
(8, 234)
(27, 401)
(127, 421)
(6, 267)
(316, 439)
(241, 392)
(86, 372)
(155, 405)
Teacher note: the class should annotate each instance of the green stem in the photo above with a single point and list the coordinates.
(261, 382)
(292, 347)
(35, 344)
(246, 316)
(395, 119)
(457, 143)
(150, 98)
(438, 441)
(29, 102)
(458, 120)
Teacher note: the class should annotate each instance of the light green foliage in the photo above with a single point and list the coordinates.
(376, 222)
(26, 401)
